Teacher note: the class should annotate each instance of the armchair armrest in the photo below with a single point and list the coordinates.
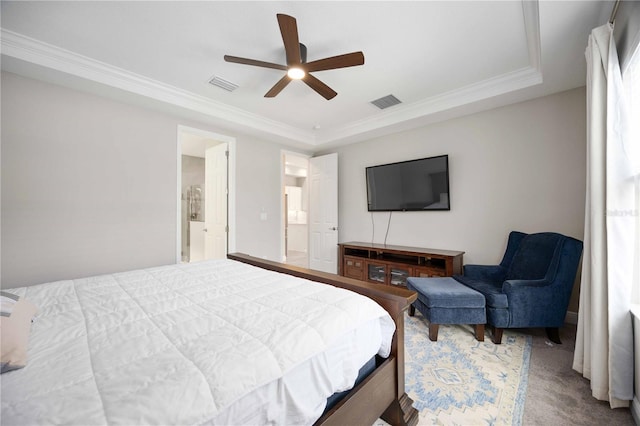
(492, 273)
(511, 285)
(534, 303)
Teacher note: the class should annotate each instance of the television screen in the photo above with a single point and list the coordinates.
(415, 185)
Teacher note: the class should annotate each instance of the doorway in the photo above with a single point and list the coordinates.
(323, 214)
(310, 211)
(295, 193)
(206, 200)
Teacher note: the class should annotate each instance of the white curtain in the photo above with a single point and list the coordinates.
(604, 341)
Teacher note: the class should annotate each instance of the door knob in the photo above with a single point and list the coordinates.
(333, 228)
(205, 230)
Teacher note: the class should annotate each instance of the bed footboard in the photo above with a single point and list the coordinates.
(382, 393)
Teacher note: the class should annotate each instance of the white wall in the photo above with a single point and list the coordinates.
(520, 167)
(89, 185)
(260, 183)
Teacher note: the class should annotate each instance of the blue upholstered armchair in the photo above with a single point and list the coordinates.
(532, 285)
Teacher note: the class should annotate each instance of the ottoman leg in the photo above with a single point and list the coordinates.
(497, 335)
(479, 332)
(433, 332)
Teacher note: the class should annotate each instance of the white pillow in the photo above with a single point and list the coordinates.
(15, 324)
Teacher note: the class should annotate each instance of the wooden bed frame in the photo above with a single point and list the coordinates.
(381, 394)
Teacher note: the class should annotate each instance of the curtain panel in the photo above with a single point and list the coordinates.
(604, 340)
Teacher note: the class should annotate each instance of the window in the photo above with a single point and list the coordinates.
(631, 82)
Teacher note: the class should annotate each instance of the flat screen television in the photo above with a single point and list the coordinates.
(415, 185)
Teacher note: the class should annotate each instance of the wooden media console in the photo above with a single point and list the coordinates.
(392, 265)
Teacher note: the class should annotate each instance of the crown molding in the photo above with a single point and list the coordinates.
(531, 16)
(491, 87)
(43, 54)
(46, 55)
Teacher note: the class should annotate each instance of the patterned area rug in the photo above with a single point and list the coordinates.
(460, 381)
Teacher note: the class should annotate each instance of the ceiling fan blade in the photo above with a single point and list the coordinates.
(322, 89)
(289, 31)
(277, 88)
(254, 62)
(340, 61)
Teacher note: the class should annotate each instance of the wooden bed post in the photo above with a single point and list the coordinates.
(384, 387)
(401, 411)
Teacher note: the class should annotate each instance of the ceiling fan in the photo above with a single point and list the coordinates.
(297, 66)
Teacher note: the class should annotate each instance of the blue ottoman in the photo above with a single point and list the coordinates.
(446, 301)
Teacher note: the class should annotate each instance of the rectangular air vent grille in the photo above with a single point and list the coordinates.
(223, 84)
(386, 102)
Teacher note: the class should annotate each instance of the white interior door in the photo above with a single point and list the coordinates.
(323, 213)
(215, 212)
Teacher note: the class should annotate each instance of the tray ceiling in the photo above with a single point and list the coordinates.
(440, 59)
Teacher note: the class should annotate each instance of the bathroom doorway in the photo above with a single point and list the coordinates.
(205, 195)
(295, 193)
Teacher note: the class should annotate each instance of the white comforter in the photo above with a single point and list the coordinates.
(186, 344)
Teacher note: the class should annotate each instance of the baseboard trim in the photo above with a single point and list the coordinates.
(635, 410)
(571, 317)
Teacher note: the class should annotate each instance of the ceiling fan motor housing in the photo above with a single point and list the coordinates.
(303, 53)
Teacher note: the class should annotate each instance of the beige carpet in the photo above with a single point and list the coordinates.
(558, 395)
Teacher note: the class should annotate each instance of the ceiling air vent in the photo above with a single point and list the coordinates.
(223, 84)
(386, 102)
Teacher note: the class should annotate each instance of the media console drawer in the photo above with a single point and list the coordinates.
(354, 268)
(392, 265)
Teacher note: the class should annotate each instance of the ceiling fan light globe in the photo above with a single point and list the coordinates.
(296, 73)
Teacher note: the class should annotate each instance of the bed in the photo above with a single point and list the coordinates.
(232, 341)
